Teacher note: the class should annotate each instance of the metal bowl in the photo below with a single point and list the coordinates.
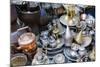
(19, 60)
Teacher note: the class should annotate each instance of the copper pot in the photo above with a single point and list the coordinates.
(27, 42)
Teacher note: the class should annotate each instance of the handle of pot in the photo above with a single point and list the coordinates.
(24, 28)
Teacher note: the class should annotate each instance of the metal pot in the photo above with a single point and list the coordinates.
(29, 13)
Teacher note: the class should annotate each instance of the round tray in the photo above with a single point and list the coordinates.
(64, 20)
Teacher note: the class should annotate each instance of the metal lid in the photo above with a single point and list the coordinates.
(26, 38)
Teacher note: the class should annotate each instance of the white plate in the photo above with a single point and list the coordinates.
(64, 20)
